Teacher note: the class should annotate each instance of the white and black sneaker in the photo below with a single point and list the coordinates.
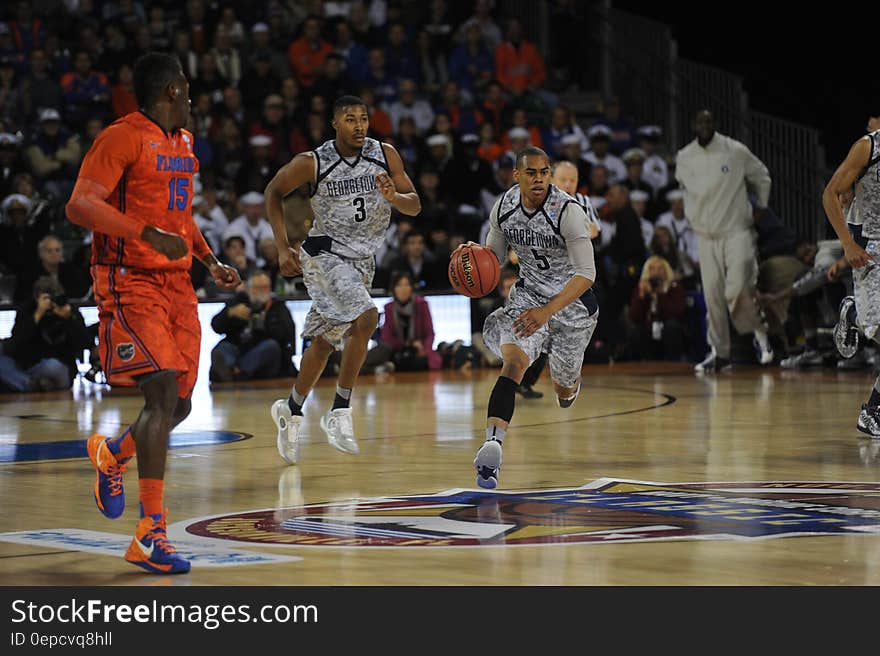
(869, 421)
(712, 364)
(565, 403)
(288, 425)
(763, 350)
(846, 335)
(809, 358)
(338, 426)
(487, 463)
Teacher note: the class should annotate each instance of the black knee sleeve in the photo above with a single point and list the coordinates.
(502, 399)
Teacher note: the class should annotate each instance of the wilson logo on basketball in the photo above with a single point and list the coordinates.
(606, 510)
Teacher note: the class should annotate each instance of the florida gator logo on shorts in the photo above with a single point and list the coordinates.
(606, 510)
(125, 351)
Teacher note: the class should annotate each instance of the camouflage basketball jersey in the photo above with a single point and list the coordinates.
(865, 208)
(537, 241)
(346, 201)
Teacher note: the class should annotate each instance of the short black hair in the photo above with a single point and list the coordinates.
(347, 101)
(153, 72)
(530, 150)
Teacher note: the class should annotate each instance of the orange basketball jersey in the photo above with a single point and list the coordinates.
(150, 173)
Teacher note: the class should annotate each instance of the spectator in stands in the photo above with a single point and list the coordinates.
(335, 80)
(209, 79)
(403, 62)
(47, 338)
(489, 149)
(482, 17)
(519, 67)
(379, 78)
(160, 34)
(419, 263)
(228, 58)
(598, 181)
(380, 122)
(27, 32)
(410, 105)
(235, 255)
(362, 28)
(210, 218)
(86, 92)
(639, 200)
(234, 28)
(570, 151)
(54, 155)
(260, 82)
(354, 54)
(251, 225)
(408, 144)
(634, 160)
(494, 107)
(261, 46)
(406, 338)
(11, 105)
(39, 89)
(259, 167)
(433, 72)
(519, 120)
(623, 130)
(294, 104)
(663, 245)
(656, 313)
(260, 335)
(75, 280)
(472, 64)
(306, 54)
(122, 98)
(683, 235)
(229, 152)
(562, 125)
(600, 142)
(655, 172)
(233, 107)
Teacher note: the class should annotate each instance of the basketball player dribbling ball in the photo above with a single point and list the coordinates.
(354, 182)
(134, 191)
(859, 235)
(551, 306)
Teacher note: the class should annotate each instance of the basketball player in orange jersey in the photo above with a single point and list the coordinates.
(134, 191)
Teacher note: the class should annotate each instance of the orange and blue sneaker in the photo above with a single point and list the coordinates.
(109, 495)
(151, 550)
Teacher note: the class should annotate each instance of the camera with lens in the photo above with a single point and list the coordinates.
(60, 300)
(655, 282)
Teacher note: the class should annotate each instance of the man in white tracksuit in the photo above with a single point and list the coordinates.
(714, 170)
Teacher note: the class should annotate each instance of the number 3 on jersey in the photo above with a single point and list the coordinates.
(178, 193)
(361, 214)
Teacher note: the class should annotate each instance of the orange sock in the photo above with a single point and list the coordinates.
(151, 495)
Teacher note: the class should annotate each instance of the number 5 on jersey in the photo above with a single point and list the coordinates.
(541, 260)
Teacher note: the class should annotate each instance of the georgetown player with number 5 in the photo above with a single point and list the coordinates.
(552, 307)
(354, 181)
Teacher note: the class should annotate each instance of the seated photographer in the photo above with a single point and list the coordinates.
(47, 338)
(260, 335)
(657, 314)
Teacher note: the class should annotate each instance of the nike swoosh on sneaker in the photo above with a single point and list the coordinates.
(147, 552)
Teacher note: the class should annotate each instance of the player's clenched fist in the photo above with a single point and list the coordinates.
(169, 244)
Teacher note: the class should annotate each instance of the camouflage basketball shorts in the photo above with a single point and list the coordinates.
(564, 338)
(340, 292)
(866, 290)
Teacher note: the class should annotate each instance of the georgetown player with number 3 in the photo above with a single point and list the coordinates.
(551, 307)
(354, 182)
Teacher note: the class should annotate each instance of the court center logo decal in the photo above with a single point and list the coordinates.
(606, 510)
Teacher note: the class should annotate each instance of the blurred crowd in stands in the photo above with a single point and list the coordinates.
(457, 86)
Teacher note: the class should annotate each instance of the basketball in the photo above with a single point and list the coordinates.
(474, 271)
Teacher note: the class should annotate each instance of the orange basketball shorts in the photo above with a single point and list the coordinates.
(149, 321)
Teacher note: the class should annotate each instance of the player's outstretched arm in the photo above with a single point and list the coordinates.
(840, 182)
(397, 188)
(225, 276)
(293, 175)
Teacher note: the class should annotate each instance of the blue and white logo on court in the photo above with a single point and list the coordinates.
(606, 510)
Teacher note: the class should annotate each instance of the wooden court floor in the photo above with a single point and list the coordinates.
(604, 493)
